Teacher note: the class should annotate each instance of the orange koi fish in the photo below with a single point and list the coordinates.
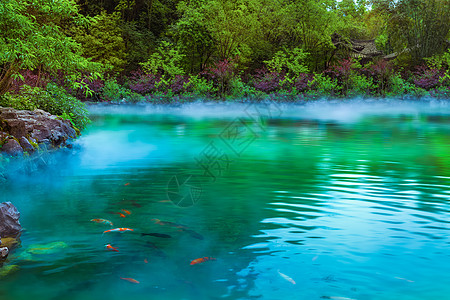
(126, 184)
(286, 277)
(118, 230)
(104, 221)
(130, 280)
(201, 260)
(121, 215)
(146, 261)
(126, 211)
(111, 248)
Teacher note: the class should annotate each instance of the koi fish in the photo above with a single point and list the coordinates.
(135, 204)
(146, 261)
(126, 211)
(126, 184)
(117, 213)
(160, 235)
(201, 260)
(165, 201)
(111, 248)
(130, 280)
(286, 277)
(118, 230)
(400, 278)
(194, 234)
(315, 257)
(104, 221)
(158, 221)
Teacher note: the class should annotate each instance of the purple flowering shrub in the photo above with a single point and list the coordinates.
(178, 83)
(221, 74)
(427, 77)
(302, 82)
(142, 83)
(266, 81)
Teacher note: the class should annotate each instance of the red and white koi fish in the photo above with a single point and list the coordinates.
(111, 248)
(130, 279)
(286, 277)
(201, 260)
(118, 230)
(104, 221)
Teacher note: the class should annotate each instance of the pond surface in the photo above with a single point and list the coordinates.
(315, 201)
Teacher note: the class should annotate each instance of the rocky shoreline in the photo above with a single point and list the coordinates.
(32, 135)
(24, 131)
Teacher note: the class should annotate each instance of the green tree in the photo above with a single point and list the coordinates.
(166, 60)
(31, 37)
(417, 28)
(102, 41)
(192, 36)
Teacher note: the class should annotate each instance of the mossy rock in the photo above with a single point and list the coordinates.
(10, 242)
(50, 248)
(8, 270)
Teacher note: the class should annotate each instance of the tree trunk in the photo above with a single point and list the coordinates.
(6, 80)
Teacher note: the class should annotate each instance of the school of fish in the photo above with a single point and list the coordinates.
(182, 228)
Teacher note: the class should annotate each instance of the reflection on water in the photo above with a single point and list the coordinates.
(348, 201)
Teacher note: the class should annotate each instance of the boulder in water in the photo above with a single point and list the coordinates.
(9, 220)
(3, 252)
(12, 147)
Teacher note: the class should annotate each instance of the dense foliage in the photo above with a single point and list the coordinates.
(177, 49)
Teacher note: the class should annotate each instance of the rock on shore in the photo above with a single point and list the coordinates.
(23, 130)
(9, 220)
(10, 227)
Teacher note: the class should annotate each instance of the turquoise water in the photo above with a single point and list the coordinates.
(349, 201)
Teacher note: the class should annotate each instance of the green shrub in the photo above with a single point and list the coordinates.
(292, 61)
(22, 102)
(398, 87)
(114, 92)
(360, 85)
(200, 87)
(239, 89)
(166, 60)
(54, 100)
(323, 86)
